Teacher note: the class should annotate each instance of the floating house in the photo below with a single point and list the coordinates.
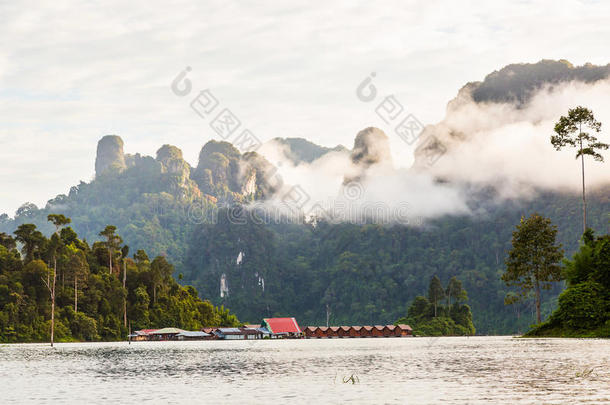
(169, 334)
(254, 333)
(282, 327)
(165, 334)
(228, 333)
(320, 331)
(358, 331)
(140, 335)
(194, 335)
(238, 333)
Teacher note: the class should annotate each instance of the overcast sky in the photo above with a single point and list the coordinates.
(71, 72)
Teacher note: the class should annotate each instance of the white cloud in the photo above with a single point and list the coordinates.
(510, 147)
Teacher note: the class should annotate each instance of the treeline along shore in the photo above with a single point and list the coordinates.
(61, 288)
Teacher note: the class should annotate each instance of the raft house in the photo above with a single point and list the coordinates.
(273, 328)
(318, 332)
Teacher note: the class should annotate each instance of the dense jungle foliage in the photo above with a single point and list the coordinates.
(429, 317)
(371, 273)
(99, 291)
(584, 306)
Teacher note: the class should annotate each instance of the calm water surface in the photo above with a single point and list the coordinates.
(399, 370)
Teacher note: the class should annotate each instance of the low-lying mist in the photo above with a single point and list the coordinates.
(487, 145)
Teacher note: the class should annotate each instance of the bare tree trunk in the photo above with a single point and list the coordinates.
(110, 260)
(53, 300)
(584, 199)
(125, 294)
(75, 293)
(538, 316)
(327, 314)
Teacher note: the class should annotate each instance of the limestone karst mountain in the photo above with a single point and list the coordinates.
(166, 206)
(176, 172)
(511, 88)
(109, 155)
(371, 147)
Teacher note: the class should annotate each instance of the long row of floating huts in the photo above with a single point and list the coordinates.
(273, 328)
(358, 331)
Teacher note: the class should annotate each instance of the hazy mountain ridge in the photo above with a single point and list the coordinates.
(300, 150)
(516, 83)
(520, 101)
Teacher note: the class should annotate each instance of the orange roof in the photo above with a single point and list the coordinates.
(346, 328)
(357, 328)
(334, 328)
(404, 327)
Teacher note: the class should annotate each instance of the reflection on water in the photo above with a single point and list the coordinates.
(394, 370)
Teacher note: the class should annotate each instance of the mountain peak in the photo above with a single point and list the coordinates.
(517, 82)
(109, 155)
(167, 152)
(371, 146)
(301, 150)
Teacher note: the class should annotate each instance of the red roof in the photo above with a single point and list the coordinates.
(145, 331)
(282, 325)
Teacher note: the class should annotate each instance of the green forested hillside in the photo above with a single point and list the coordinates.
(356, 273)
(99, 291)
(371, 273)
(364, 273)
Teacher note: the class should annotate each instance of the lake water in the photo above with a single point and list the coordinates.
(391, 370)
